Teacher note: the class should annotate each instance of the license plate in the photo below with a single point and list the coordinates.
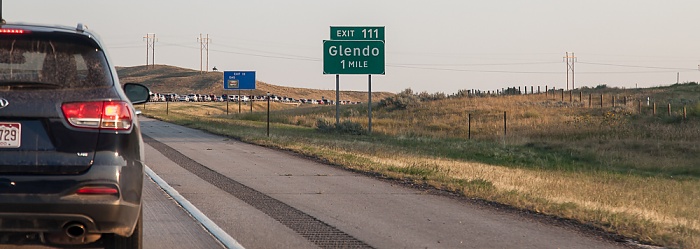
(10, 135)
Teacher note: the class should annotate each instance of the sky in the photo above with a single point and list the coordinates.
(433, 46)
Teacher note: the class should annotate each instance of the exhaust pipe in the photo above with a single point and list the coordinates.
(75, 230)
(73, 233)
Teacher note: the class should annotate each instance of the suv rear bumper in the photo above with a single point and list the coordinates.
(52, 212)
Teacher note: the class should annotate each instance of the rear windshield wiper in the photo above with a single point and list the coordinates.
(28, 84)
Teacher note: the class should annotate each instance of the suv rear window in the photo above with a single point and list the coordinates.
(30, 61)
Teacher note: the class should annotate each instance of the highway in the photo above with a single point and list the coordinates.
(265, 198)
(273, 199)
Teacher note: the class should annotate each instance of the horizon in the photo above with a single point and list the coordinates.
(417, 92)
(438, 46)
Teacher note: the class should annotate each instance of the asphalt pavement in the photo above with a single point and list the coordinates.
(259, 195)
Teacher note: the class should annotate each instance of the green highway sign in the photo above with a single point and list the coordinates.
(357, 33)
(353, 57)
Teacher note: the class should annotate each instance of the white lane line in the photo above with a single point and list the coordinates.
(214, 229)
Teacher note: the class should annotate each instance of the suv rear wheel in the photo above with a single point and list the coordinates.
(135, 241)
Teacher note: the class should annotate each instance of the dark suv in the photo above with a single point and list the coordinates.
(71, 154)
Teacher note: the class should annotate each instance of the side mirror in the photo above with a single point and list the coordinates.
(137, 93)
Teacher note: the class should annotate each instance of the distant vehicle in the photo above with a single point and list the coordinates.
(192, 97)
(184, 98)
(71, 164)
(170, 97)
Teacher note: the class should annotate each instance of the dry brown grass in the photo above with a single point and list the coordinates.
(639, 174)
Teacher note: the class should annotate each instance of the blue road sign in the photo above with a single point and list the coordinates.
(239, 80)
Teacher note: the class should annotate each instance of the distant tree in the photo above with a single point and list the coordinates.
(511, 91)
(461, 93)
(401, 101)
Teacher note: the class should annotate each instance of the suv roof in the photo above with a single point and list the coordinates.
(79, 29)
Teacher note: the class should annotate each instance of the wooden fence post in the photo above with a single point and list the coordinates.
(654, 109)
(505, 125)
(669, 109)
(601, 101)
(469, 128)
(640, 106)
(613, 101)
(590, 100)
(562, 95)
(685, 113)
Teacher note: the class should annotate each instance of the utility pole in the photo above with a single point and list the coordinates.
(570, 67)
(150, 39)
(203, 45)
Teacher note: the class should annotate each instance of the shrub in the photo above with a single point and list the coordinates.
(425, 96)
(349, 127)
(323, 125)
(694, 111)
(511, 91)
(462, 93)
(401, 101)
(345, 127)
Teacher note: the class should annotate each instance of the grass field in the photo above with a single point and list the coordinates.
(621, 169)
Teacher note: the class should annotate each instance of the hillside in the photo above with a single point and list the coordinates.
(170, 79)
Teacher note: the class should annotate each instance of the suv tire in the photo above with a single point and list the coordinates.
(135, 241)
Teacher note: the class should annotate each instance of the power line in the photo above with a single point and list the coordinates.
(644, 56)
(469, 70)
(121, 47)
(619, 65)
(178, 45)
(477, 64)
(267, 52)
(300, 58)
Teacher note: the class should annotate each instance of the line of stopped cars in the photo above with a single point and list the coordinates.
(192, 97)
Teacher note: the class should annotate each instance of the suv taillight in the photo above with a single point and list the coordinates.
(110, 115)
(13, 31)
